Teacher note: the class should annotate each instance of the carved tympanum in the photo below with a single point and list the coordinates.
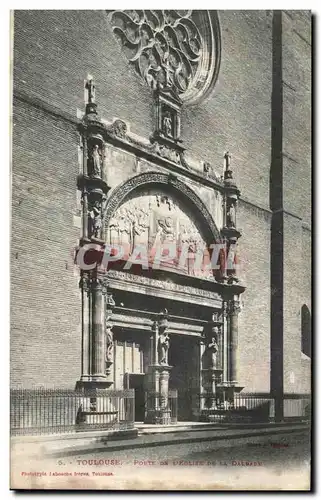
(153, 221)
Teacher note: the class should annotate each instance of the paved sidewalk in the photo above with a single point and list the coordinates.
(223, 437)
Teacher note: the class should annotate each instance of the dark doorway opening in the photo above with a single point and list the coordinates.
(136, 381)
(180, 357)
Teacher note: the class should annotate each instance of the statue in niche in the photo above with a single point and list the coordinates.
(231, 258)
(231, 215)
(163, 347)
(95, 218)
(212, 348)
(96, 161)
(167, 124)
(109, 340)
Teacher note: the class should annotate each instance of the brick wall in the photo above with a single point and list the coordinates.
(45, 298)
(296, 34)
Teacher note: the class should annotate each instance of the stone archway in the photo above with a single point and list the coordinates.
(173, 186)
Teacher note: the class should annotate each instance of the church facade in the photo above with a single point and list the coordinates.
(161, 197)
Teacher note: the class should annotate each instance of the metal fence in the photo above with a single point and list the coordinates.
(51, 411)
(295, 406)
(160, 408)
(255, 407)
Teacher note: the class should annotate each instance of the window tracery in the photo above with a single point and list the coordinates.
(171, 48)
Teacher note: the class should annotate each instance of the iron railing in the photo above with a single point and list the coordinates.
(51, 411)
(254, 407)
(161, 408)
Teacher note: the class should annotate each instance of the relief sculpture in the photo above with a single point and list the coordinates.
(156, 220)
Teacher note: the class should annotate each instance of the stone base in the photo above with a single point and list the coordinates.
(91, 418)
(160, 417)
(210, 415)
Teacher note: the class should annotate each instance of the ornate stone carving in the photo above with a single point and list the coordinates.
(167, 285)
(109, 301)
(95, 161)
(217, 316)
(171, 48)
(234, 306)
(89, 281)
(212, 352)
(109, 340)
(163, 346)
(167, 152)
(167, 124)
(84, 283)
(91, 90)
(154, 220)
(207, 168)
(231, 213)
(95, 218)
(118, 129)
(163, 338)
(182, 190)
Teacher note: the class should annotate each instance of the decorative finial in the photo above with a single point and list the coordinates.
(91, 90)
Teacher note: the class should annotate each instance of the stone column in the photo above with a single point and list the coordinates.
(86, 308)
(163, 388)
(98, 334)
(234, 309)
(202, 377)
(211, 369)
(85, 214)
(196, 380)
(157, 377)
(109, 347)
(96, 317)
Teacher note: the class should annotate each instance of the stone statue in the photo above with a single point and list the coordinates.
(96, 161)
(109, 341)
(227, 160)
(167, 124)
(206, 168)
(212, 349)
(163, 346)
(90, 87)
(231, 213)
(95, 217)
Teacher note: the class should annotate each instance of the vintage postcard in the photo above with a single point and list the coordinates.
(160, 250)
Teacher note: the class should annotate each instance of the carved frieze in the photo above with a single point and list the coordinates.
(167, 285)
